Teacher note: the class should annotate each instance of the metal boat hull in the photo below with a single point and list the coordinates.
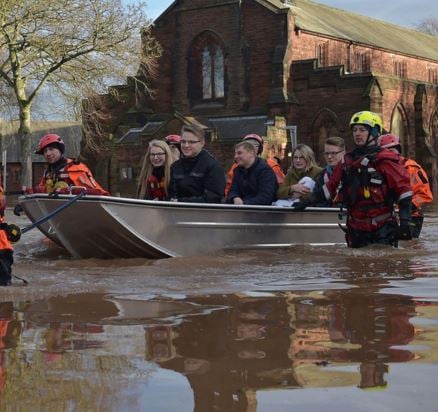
(111, 227)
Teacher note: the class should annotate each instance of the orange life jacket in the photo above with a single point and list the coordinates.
(4, 242)
(75, 173)
(420, 185)
(271, 162)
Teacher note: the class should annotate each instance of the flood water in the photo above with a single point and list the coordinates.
(299, 329)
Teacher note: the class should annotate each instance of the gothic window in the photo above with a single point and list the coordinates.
(433, 76)
(400, 69)
(435, 124)
(324, 126)
(399, 126)
(362, 62)
(322, 54)
(434, 131)
(206, 69)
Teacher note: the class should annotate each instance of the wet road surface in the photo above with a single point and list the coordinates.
(297, 329)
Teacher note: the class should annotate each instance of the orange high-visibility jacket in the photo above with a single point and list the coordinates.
(420, 184)
(75, 173)
(4, 242)
(271, 162)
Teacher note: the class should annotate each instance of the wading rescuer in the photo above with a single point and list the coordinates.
(6, 249)
(422, 195)
(62, 173)
(369, 181)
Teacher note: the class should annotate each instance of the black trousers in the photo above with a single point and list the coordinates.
(418, 222)
(6, 261)
(385, 235)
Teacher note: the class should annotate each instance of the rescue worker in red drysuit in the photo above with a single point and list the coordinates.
(369, 181)
(257, 141)
(62, 173)
(6, 249)
(422, 194)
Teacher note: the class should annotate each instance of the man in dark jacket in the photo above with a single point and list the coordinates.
(197, 177)
(254, 182)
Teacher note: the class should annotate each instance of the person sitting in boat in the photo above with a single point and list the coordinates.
(422, 195)
(334, 151)
(6, 249)
(155, 172)
(63, 173)
(174, 142)
(257, 141)
(303, 164)
(197, 176)
(254, 181)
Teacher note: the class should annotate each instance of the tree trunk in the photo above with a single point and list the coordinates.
(26, 147)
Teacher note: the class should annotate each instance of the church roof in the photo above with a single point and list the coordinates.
(330, 21)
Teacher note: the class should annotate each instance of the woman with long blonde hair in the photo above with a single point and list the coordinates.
(155, 172)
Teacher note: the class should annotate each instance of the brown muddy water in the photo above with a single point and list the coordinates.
(299, 329)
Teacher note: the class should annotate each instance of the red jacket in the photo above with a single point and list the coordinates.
(156, 189)
(369, 185)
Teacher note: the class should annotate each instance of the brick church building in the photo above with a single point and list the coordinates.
(289, 70)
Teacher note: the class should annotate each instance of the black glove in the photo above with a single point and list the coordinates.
(13, 232)
(18, 209)
(301, 205)
(405, 230)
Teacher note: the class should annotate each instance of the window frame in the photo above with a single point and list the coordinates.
(202, 75)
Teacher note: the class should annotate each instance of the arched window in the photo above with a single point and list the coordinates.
(322, 54)
(433, 76)
(324, 126)
(362, 62)
(433, 138)
(212, 72)
(399, 127)
(206, 69)
(400, 69)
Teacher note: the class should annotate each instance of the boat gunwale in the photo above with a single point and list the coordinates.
(179, 205)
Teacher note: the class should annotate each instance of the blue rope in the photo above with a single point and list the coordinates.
(53, 213)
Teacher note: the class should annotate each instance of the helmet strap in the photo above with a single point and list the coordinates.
(372, 135)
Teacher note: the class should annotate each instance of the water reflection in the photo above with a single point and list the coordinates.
(100, 351)
(287, 340)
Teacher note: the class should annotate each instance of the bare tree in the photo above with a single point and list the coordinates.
(429, 25)
(77, 47)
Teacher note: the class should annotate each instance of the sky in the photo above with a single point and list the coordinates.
(406, 13)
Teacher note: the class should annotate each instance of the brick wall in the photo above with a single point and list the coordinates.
(264, 55)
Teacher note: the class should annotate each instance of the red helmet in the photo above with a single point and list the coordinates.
(173, 139)
(389, 140)
(257, 138)
(50, 139)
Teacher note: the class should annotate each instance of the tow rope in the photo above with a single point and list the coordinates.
(13, 232)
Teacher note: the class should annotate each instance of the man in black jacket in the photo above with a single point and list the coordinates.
(254, 181)
(197, 177)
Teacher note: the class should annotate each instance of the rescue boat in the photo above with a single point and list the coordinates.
(113, 227)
